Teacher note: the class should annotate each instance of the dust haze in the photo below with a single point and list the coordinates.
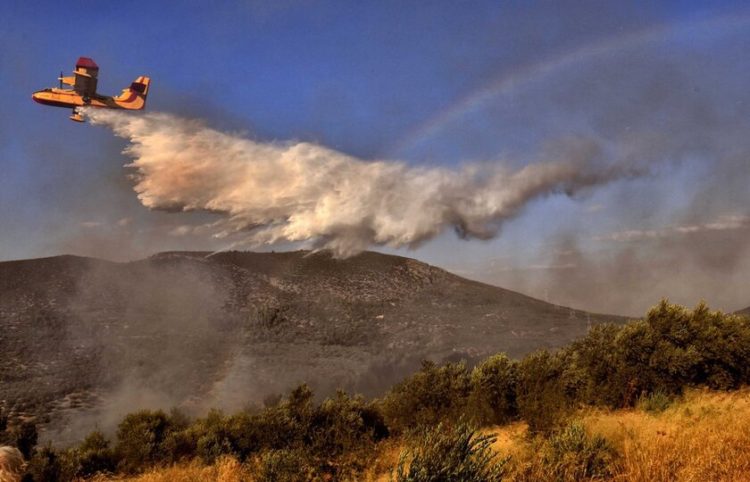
(680, 233)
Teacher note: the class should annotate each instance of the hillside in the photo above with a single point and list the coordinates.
(85, 341)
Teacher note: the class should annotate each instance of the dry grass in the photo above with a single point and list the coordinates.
(226, 469)
(511, 439)
(386, 459)
(703, 437)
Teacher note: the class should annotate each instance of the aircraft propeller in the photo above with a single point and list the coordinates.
(60, 78)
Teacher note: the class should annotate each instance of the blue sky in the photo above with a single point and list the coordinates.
(428, 83)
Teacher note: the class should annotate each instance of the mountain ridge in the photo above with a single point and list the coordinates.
(89, 339)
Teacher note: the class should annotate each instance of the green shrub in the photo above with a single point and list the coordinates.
(285, 425)
(335, 437)
(343, 424)
(429, 396)
(213, 437)
(180, 445)
(246, 434)
(493, 391)
(140, 439)
(549, 388)
(597, 355)
(450, 454)
(701, 347)
(283, 466)
(655, 402)
(342, 432)
(572, 455)
(179, 442)
(672, 348)
(93, 456)
(48, 465)
(299, 406)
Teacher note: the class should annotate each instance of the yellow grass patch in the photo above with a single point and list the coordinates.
(703, 437)
(386, 459)
(510, 440)
(226, 469)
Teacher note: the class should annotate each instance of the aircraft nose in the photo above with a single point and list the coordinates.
(38, 97)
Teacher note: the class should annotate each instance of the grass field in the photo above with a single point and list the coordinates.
(703, 437)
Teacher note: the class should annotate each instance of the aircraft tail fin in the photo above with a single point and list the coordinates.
(141, 85)
(134, 97)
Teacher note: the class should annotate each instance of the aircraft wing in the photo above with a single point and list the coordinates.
(86, 74)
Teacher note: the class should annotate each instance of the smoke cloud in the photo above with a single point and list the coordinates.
(680, 233)
(272, 192)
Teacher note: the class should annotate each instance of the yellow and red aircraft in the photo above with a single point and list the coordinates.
(83, 93)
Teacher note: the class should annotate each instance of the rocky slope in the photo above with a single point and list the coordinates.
(83, 341)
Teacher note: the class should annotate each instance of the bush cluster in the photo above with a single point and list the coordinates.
(646, 362)
(569, 455)
(572, 455)
(295, 436)
(652, 360)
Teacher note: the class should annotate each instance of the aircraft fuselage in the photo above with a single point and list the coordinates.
(71, 99)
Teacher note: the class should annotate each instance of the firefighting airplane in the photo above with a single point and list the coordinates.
(83, 93)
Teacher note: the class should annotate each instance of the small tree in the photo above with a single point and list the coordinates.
(429, 396)
(140, 438)
(283, 466)
(597, 354)
(549, 386)
(46, 465)
(493, 390)
(342, 432)
(94, 456)
(214, 437)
